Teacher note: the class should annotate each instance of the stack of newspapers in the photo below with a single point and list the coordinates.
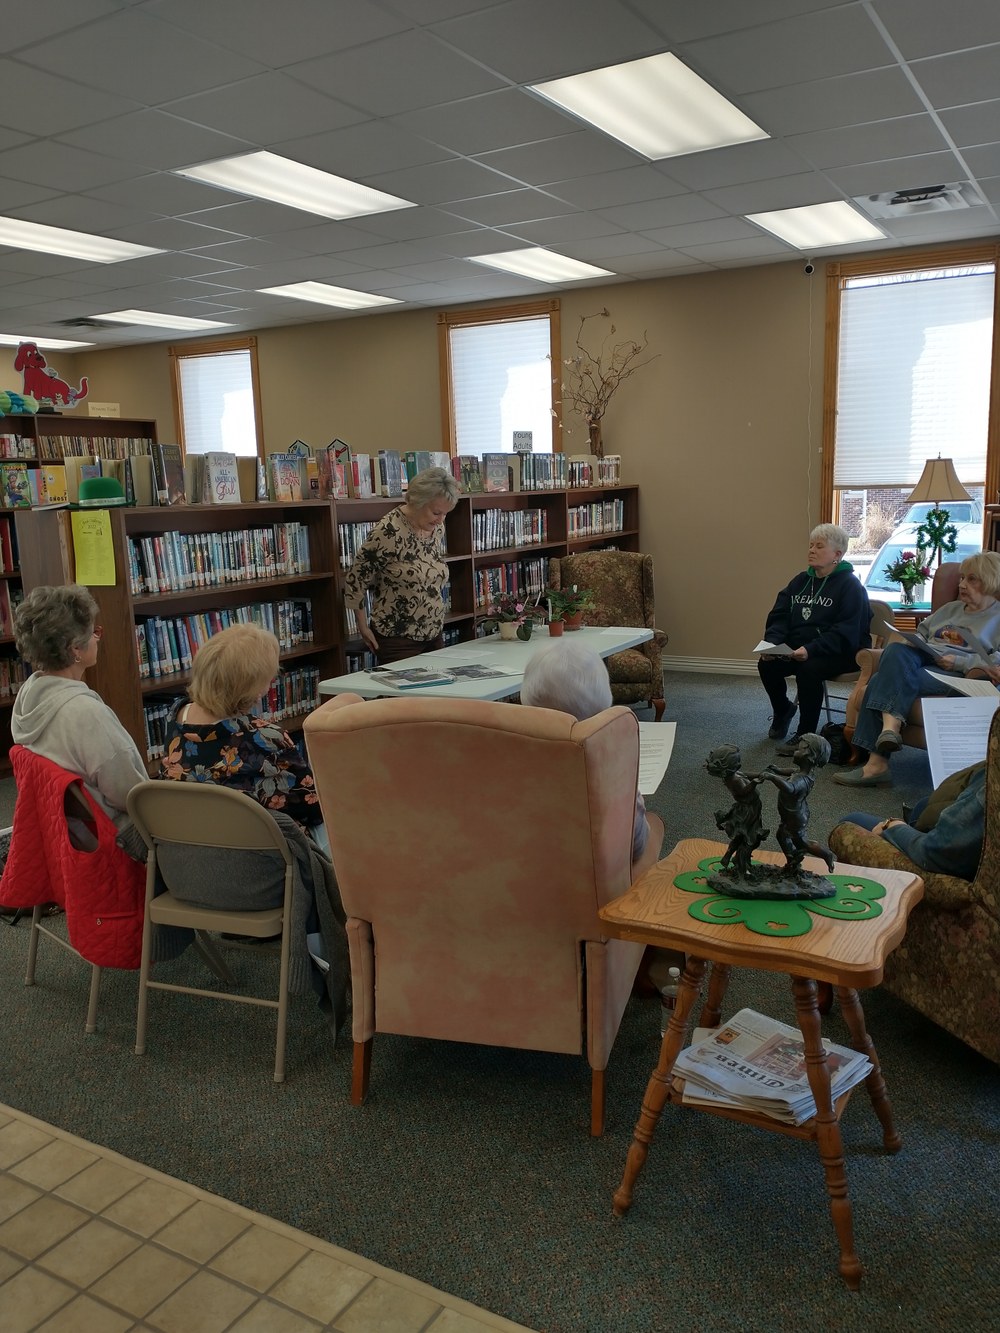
(754, 1063)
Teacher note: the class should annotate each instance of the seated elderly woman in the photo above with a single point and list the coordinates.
(572, 678)
(211, 737)
(962, 638)
(58, 716)
(823, 616)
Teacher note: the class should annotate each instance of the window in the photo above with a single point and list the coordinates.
(497, 378)
(910, 352)
(217, 397)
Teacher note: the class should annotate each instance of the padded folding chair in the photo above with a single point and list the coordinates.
(191, 815)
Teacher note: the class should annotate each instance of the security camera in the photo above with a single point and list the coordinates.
(809, 268)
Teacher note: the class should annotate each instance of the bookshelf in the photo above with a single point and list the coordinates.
(526, 529)
(49, 437)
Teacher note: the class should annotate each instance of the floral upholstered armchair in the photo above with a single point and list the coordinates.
(621, 585)
(948, 964)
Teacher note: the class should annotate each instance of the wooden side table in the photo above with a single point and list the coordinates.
(847, 954)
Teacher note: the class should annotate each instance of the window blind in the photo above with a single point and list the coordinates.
(914, 375)
(217, 403)
(501, 381)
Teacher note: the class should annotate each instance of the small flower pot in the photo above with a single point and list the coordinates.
(575, 621)
(524, 630)
(508, 629)
(556, 628)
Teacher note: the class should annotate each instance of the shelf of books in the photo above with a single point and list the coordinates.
(12, 669)
(184, 572)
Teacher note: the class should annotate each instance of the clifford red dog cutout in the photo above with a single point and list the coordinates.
(39, 380)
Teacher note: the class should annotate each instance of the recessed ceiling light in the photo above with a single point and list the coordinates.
(324, 294)
(268, 176)
(818, 225)
(21, 235)
(46, 344)
(656, 105)
(542, 265)
(156, 321)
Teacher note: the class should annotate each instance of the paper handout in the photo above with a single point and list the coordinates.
(774, 649)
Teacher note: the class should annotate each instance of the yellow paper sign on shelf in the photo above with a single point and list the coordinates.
(93, 548)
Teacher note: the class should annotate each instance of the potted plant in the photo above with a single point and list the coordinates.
(568, 605)
(909, 571)
(513, 616)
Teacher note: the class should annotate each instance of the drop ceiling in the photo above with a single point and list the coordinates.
(101, 100)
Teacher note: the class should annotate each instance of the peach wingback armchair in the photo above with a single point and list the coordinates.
(621, 583)
(471, 893)
(943, 589)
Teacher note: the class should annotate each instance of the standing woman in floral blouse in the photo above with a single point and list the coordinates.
(402, 565)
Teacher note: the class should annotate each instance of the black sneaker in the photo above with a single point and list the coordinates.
(790, 746)
(781, 722)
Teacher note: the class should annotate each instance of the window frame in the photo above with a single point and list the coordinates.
(837, 273)
(450, 319)
(216, 347)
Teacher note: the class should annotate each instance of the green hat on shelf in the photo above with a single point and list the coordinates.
(101, 492)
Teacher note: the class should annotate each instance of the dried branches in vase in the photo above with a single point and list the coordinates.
(592, 378)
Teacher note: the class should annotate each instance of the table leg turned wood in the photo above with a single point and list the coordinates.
(718, 982)
(854, 1017)
(659, 1083)
(829, 1142)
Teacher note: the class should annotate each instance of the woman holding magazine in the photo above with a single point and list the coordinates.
(961, 637)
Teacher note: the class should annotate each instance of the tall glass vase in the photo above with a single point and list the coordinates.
(910, 594)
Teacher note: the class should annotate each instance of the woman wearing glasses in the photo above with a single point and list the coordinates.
(56, 715)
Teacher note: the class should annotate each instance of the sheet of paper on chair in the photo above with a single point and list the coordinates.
(774, 649)
(656, 743)
(957, 731)
(964, 685)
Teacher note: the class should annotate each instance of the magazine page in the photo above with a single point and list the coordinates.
(403, 676)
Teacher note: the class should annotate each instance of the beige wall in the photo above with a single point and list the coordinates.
(722, 430)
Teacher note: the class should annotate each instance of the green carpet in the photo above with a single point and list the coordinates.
(472, 1169)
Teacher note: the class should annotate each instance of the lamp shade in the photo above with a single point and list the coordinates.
(938, 482)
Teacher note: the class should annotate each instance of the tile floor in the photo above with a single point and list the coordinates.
(91, 1242)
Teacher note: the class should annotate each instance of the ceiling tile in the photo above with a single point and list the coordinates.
(905, 173)
(565, 230)
(707, 18)
(784, 192)
(857, 144)
(80, 212)
(420, 67)
(631, 185)
(723, 251)
(605, 251)
(362, 150)
(984, 161)
(503, 210)
(956, 80)
(281, 34)
(655, 213)
(842, 40)
(326, 238)
(162, 192)
(173, 234)
(968, 222)
(826, 104)
(20, 194)
(656, 262)
(709, 232)
(570, 155)
(927, 27)
(115, 53)
(250, 217)
(440, 182)
(492, 120)
(31, 23)
(529, 42)
(412, 224)
(42, 104)
(47, 161)
(265, 110)
(155, 141)
(977, 124)
(719, 167)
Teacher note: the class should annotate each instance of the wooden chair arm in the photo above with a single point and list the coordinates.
(867, 660)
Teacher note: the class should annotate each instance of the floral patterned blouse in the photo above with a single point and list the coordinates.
(406, 573)
(246, 754)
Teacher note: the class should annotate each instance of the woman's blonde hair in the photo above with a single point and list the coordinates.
(984, 566)
(231, 672)
(434, 483)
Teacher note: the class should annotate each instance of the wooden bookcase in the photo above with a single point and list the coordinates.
(46, 550)
(50, 432)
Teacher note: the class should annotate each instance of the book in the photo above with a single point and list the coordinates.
(359, 477)
(390, 470)
(311, 465)
(194, 479)
(16, 486)
(139, 479)
(222, 479)
(439, 458)
(168, 474)
(416, 460)
(468, 473)
(411, 678)
(496, 476)
(54, 483)
(247, 468)
(286, 476)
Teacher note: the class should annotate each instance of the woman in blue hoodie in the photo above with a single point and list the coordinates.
(823, 616)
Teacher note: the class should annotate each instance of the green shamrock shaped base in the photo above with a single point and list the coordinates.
(856, 899)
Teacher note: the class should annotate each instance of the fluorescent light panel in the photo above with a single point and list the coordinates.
(46, 344)
(268, 176)
(20, 235)
(656, 105)
(542, 265)
(154, 320)
(817, 226)
(325, 294)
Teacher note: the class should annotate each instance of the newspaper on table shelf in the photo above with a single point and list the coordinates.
(755, 1063)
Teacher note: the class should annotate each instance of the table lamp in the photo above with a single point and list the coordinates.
(938, 481)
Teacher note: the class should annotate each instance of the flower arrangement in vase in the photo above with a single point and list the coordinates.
(593, 378)
(909, 571)
(568, 605)
(513, 616)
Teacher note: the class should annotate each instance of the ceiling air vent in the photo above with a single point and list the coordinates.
(87, 322)
(916, 202)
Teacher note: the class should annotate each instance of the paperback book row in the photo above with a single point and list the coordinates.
(498, 529)
(292, 694)
(16, 446)
(8, 547)
(344, 473)
(591, 520)
(96, 446)
(352, 536)
(9, 599)
(178, 561)
(351, 619)
(165, 645)
(14, 671)
(521, 578)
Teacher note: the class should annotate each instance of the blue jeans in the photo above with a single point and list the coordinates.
(900, 681)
